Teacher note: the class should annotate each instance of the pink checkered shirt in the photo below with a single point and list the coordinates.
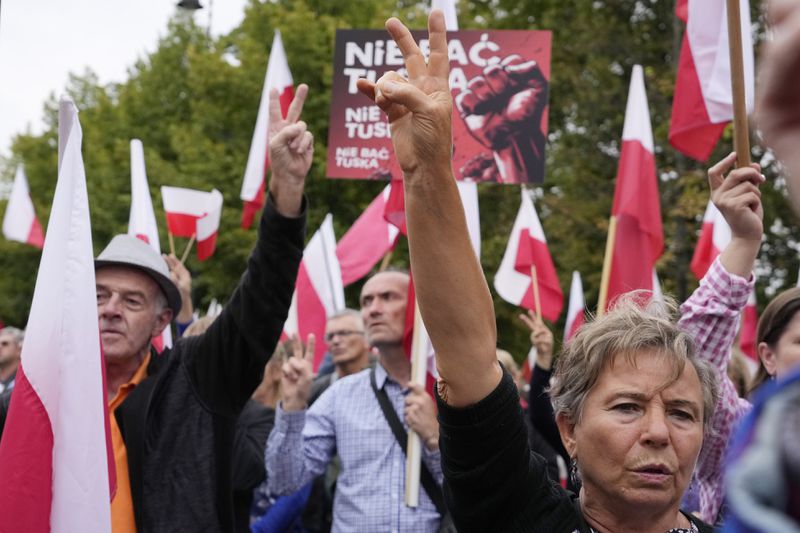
(711, 315)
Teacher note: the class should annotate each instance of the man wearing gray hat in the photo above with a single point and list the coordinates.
(173, 414)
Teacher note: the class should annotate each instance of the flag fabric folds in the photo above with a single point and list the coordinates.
(576, 308)
(367, 241)
(702, 103)
(278, 77)
(638, 238)
(194, 213)
(527, 247)
(56, 434)
(142, 219)
(319, 291)
(20, 222)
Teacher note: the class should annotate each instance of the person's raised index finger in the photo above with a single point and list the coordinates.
(296, 107)
(412, 55)
(438, 62)
(716, 174)
(311, 341)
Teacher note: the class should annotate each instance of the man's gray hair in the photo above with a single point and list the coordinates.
(347, 312)
(17, 333)
(630, 328)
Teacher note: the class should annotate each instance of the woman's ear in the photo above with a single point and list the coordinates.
(567, 430)
(768, 358)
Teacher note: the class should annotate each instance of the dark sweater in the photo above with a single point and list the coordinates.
(179, 422)
(493, 482)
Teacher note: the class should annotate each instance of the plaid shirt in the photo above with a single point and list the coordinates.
(347, 420)
(711, 315)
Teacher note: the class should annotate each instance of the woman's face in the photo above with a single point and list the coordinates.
(784, 356)
(638, 438)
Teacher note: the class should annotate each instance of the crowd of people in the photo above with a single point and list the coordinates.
(633, 426)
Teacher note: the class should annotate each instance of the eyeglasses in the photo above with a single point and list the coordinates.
(341, 333)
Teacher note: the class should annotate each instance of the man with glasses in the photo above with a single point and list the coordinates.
(347, 344)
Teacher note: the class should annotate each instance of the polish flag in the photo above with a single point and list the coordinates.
(527, 247)
(193, 213)
(20, 222)
(575, 317)
(56, 435)
(319, 291)
(702, 103)
(639, 237)
(278, 77)
(715, 234)
(142, 220)
(367, 241)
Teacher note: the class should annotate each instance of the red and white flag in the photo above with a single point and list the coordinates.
(56, 460)
(527, 247)
(20, 222)
(715, 234)
(319, 291)
(194, 213)
(576, 308)
(142, 219)
(702, 103)
(278, 77)
(367, 241)
(747, 331)
(639, 237)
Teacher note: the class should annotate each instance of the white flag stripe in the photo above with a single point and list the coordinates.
(577, 305)
(637, 115)
(711, 57)
(187, 201)
(450, 15)
(208, 225)
(142, 220)
(20, 215)
(469, 199)
(323, 267)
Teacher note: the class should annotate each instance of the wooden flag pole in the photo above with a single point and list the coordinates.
(607, 260)
(171, 243)
(741, 139)
(414, 449)
(386, 260)
(535, 284)
(188, 247)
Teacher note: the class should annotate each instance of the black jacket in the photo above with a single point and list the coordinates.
(178, 423)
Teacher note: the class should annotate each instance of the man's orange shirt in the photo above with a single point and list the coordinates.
(122, 519)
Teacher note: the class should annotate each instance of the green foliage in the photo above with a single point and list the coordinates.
(195, 112)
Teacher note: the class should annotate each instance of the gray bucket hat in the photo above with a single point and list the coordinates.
(127, 251)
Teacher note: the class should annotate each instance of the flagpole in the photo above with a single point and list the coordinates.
(607, 260)
(741, 139)
(386, 259)
(414, 449)
(171, 243)
(188, 247)
(535, 284)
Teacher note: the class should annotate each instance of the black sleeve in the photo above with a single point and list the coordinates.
(492, 480)
(541, 412)
(226, 363)
(540, 446)
(252, 429)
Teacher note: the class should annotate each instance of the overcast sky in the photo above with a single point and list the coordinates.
(41, 41)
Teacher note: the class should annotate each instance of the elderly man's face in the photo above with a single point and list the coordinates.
(639, 434)
(383, 307)
(128, 311)
(9, 349)
(345, 338)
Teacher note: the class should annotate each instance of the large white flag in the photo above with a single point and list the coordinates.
(54, 456)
